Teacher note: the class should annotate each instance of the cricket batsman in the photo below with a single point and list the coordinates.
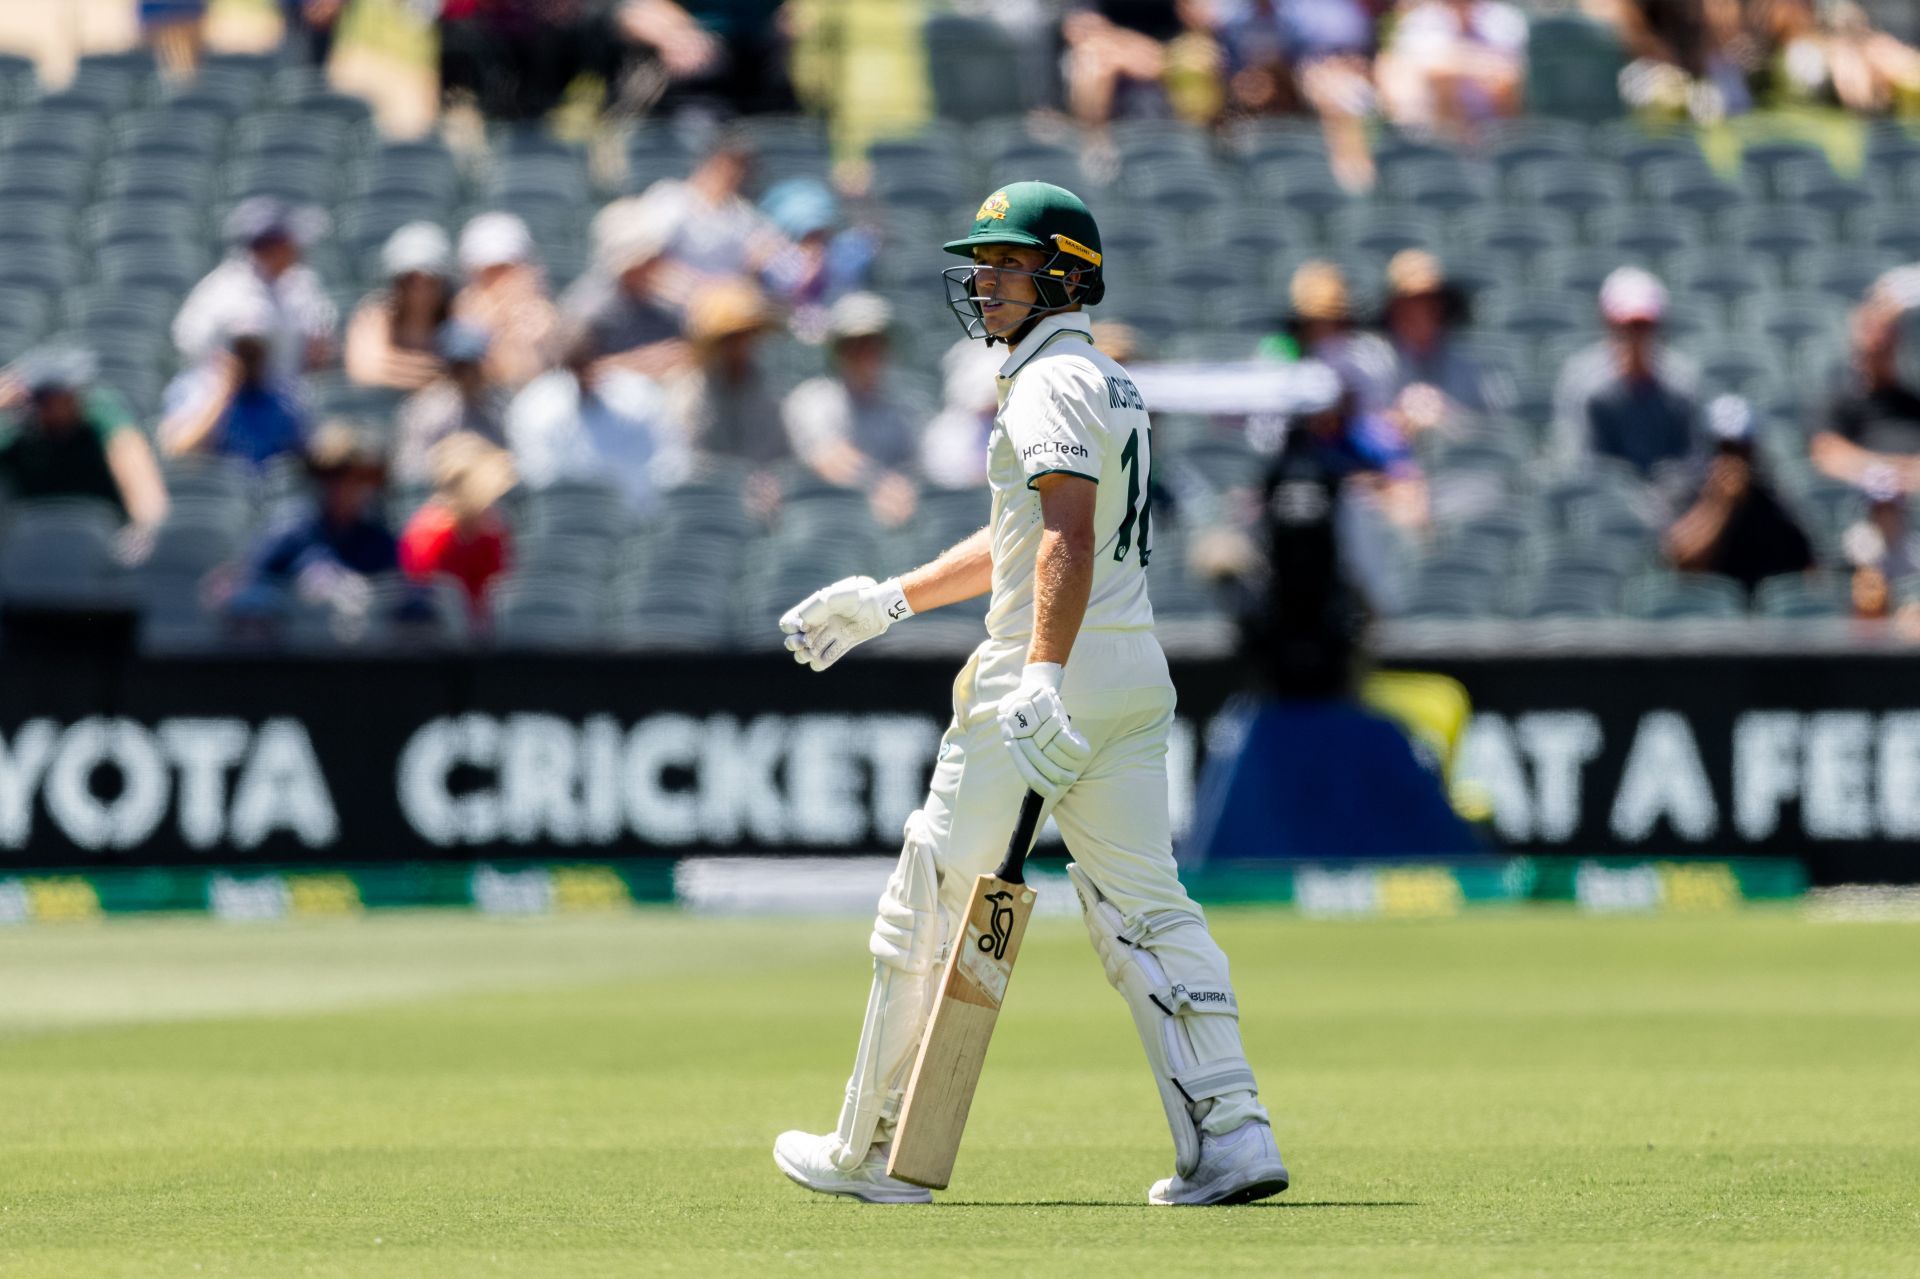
(1069, 696)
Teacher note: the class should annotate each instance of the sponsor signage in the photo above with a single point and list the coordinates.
(288, 762)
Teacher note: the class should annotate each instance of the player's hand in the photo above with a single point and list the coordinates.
(1033, 722)
(822, 627)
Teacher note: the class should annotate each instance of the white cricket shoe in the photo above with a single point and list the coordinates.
(805, 1157)
(1238, 1168)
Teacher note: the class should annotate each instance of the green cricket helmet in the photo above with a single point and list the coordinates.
(1033, 215)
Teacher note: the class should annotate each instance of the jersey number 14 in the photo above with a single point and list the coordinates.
(1139, 502)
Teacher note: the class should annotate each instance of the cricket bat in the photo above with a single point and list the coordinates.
(940, 1090)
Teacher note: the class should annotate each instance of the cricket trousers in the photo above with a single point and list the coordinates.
(1115, 822)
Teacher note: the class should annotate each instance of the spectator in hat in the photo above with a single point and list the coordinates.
(1434, 381)
(710, 230)
(263, 273)
(721, 404)
(61, 436)
(1320, 325)
(850, 428)
(594, 420)
(457, 532)
(1872, 424)
(832, 259)
(460, 401)
(391, 337)
(235, 402)
(1735, 524)
(506, 295)
(1628, 396)
(624, 304)
(327, 552)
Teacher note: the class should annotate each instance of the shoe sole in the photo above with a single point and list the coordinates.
(1249, 1192)
(794, 1176)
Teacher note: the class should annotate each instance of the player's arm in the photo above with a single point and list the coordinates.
(962, 571)
(1063, 569)
(1047, 750)
(821, 628)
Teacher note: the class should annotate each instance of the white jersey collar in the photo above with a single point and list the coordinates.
(1042, 334)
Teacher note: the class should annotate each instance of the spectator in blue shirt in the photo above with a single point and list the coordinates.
(233, 404)
(1360, 449)
(326, 554)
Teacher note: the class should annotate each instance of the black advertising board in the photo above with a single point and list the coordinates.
(260, 760)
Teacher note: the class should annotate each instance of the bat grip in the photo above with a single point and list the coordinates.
(1028, 825)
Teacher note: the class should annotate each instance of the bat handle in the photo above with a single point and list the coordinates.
(1028, 825)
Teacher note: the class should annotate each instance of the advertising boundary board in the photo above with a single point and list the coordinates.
(282, 760)
(848, 886)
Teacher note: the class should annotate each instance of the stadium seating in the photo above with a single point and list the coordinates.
(112, 193)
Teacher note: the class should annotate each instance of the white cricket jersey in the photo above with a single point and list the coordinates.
(1064, 406)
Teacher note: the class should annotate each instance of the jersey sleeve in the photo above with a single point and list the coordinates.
(1053, 420)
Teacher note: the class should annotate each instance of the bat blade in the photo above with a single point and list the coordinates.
(940, 1090)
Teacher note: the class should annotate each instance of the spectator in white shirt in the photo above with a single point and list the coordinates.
(506, 294)
(390, 339)
(263, 269)
(851, 428)
(1453, 65)
(712, 231)
(591, 420)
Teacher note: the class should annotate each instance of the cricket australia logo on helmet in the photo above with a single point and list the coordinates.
(994, 206)
(1000, 921)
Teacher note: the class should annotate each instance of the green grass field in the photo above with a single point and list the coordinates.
(441, 1094)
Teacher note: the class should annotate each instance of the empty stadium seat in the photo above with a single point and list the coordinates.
(1804, 595)
(1573, 69)
(58, 550)
(1673, 595)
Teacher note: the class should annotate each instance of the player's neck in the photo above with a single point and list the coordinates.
(1027, 328)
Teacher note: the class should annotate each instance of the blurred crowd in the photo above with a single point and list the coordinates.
(651, 367)
(646, 371)
(1448, 66)
(1443, 66)
(1373, 396)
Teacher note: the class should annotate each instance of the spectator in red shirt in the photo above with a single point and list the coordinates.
(457, 532)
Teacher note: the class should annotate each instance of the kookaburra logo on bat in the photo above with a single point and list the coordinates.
(1001, 921)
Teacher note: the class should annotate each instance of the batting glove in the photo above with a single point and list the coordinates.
(822, 627)
(1033, 722)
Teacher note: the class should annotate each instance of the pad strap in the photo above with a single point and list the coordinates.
(1200, 1084)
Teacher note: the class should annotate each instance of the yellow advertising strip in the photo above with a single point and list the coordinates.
(1698, 886)
(1418, 892)
(581, 888)
(61, 900)
(333, 895)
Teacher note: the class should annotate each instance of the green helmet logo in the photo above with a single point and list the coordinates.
(1033, 215)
